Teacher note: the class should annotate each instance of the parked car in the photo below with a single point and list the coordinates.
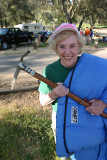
(9, 36)
(44, 35)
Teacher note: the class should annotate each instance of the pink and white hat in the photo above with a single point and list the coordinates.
(63, 27)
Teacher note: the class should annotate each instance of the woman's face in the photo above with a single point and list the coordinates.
(68, 50)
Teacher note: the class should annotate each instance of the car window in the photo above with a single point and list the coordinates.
(17, 30)
(3, 31)
(12, 31)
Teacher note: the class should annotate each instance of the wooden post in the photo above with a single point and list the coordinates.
(96, 42)
(38, 43)
(26, 44)
(35, 45)
(14, 47)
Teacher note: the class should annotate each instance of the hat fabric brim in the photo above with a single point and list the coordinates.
(55, 33)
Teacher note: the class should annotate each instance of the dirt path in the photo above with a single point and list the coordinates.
(37, 61)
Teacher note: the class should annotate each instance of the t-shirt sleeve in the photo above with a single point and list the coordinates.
(44, 88)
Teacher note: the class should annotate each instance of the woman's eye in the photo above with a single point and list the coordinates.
(61, 47)
(72, 46)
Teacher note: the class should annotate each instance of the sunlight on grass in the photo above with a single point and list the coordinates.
(25, 134)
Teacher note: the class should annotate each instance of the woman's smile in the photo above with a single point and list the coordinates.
(68, 57)
(68, 50)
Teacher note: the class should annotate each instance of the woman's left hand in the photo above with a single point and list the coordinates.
(96, 107)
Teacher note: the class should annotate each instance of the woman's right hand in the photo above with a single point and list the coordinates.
(60, 90)
(50, 97)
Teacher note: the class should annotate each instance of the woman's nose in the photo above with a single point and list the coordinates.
(67, 50)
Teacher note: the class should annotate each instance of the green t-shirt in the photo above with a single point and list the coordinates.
(56, 73)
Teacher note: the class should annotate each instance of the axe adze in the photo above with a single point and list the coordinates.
(23, 67)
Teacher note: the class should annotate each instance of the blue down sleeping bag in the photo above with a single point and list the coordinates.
(76, 129)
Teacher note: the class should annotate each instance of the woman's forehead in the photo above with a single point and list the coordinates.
(69, 40)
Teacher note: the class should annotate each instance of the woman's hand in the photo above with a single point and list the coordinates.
(96, 107)
(50, 97)
(60, 90)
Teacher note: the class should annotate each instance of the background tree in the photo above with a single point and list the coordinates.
(21, 12)
(52, 12)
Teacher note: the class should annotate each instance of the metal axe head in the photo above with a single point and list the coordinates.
(18, 69)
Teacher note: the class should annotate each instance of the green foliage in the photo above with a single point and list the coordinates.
(100, 26)
(53, 13)
(103, 44)
(25, 134)
(44, 44)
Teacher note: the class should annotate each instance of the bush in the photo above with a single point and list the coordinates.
(25, 134)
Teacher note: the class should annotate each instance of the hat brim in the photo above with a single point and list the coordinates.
(55, 33)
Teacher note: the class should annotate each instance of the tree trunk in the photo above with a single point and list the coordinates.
(5, 21)
(1, 22)
(81, 22)
(69, 19)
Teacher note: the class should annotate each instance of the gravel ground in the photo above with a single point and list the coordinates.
(20, 99)
(24, 80)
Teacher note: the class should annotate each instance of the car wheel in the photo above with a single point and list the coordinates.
(29, 41)
(4, 45)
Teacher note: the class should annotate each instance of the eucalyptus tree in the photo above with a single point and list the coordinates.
(21, 12)
(52, 11)
(78, 11)
(93, 11)
(39, 7)
(4, 12)
(15, 11)
(101, 11)
(5, 9)
(1, 14)
(57, 12)
(65, 10)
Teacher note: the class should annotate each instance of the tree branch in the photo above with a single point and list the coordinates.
(65, 11)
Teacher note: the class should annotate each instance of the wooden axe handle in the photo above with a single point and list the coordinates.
(84, 101)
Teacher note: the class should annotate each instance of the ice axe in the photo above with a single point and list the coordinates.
(25, 68)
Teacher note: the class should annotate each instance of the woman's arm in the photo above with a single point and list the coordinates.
(50, 97)
(45, 99)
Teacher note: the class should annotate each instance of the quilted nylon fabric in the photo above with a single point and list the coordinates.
(89, 133)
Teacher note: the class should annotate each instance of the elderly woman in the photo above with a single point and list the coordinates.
(80, 131)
